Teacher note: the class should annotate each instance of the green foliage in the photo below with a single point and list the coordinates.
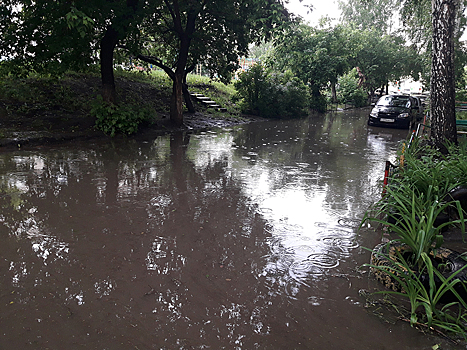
(36, 93)
(417, 195)
(411, 216)
(78, 20)
(289, 97)
(348, 90)
(214, 33)
(461, 95)
(228, 28)
(271, 95)
(251, 87)
(386, 58)
(316, 57)
(113, 119)
(365, 15)
(425, 300)
(425, 166)
(37, 38)
(215, 90)
(318, 103)
(320, 56)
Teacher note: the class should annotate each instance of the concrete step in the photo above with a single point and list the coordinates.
(207, 101)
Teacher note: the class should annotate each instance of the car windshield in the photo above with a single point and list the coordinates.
(396, 101)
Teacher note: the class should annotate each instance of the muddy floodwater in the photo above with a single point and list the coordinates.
(245, 238)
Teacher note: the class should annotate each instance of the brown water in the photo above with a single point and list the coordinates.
(233, 239)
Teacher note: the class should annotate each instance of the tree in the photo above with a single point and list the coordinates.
(214, 32)
(438, 26)
(52, 36)
(315, 56)
(349, 91)
(443, 113)
(276, 95)
(375, 15)
(382, 59)
(319, 56)
(125, 16)
(34, 36)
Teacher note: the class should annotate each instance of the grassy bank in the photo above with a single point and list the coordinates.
(65, 104)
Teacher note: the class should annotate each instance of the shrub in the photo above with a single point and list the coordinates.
(271, 95)
(348, 90)
(318, 102)
(113, 119)
(461, 95)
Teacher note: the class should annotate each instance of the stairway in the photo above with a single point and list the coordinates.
(207, 102)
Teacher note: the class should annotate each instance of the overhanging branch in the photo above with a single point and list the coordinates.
(158, 63)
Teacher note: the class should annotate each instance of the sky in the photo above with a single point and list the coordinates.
(320, 8)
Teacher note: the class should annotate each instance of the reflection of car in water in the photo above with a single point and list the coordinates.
(395, 111)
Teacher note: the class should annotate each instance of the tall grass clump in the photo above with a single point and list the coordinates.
(425, 195)
(426, 308)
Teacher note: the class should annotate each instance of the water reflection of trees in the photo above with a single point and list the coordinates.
(332, 153)
(324, 164)
(139, 225)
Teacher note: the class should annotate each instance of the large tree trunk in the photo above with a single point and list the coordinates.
(176, 103)
(443, 113)
(185, 35)
(108, 43)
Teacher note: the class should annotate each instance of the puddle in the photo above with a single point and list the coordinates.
(239, 239)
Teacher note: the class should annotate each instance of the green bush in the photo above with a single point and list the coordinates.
(348, 91)
(277, 95)
(318, 103)
(113, 119)
(461, 95)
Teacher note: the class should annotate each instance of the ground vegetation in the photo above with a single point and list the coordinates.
(52, 37)
(271, 95)
(424, 201)
(41, 108)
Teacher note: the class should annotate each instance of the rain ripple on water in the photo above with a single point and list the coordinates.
(298, 260)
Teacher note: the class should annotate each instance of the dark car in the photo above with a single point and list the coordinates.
(395, 111)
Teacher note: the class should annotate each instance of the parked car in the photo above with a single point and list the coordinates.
(395, 111)
(424, 99)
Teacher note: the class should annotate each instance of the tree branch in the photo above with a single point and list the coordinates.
(158, 63)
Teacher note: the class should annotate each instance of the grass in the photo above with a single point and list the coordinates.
(46, 103)
(412, 216)
(217, 91)
(417, 194)
(425, 300)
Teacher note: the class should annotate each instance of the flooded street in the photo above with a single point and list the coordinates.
(229, 239)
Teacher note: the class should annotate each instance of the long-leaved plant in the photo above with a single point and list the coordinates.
(425, 299)
(412, 218)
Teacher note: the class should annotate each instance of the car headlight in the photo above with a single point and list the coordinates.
(403, 115)
(374, 114)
